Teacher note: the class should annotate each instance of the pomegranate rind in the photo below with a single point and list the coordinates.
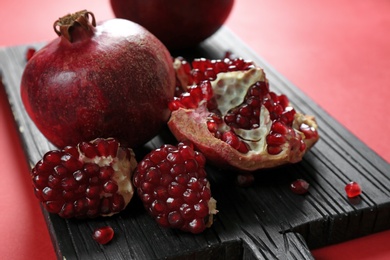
(229, 90)
(189, 124)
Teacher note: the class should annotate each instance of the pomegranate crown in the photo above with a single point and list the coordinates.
(64, 24)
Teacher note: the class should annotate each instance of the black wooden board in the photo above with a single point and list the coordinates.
(264, 221)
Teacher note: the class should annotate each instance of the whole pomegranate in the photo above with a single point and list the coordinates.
(113, 79)
(227, 110)
(177, 23)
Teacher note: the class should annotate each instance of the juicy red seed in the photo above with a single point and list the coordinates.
(299, 186)
(69, 184)
(175, 157)
(71, 163)
(174, 203)
(117, 203)
(80, 207)
(72, 150)
(302, 146)
(158, 155)
(40, 181)
(308, 131)
(105, 205)
(182, 178)
(60, 171)
(212, 126)
(53, 158)
(177, 169)
(67, 210)
(162, 220)
(153, 175)
(53, 182)
(231, 139)
(80, 176)
(207, 90)
(274, 150)
(201, 209)
(288, 115)
(187, 212)
(53, 206)
(196, 226)
(176, 190)
(103, 235)
(191, 165)
(175, 219)
(158, 207)
(110, 187)
(88, 149)
(190, 196)
(105, 172)
(197, 76)
(205, 194)
(278, 127)
(353, 189)
(175, 104)
(283, 100)
(161, 193)
(165, 167)
(93, 192)
(275, 139)
(186, 152)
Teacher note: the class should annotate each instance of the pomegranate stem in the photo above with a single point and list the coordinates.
(63, 26)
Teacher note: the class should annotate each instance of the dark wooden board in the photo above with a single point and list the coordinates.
(265, 221)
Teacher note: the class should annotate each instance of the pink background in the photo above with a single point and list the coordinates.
(336, 51)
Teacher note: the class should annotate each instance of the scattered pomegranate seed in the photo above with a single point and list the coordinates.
(353, 189)
(30, 53)
(103, 235)
(299, 186)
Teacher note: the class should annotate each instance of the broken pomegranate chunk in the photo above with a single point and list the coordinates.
(226, 108)
(173, 186)
(88, 180)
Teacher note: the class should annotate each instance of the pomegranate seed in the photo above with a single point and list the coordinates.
(353, 189)
(299, 186)
(103, 235)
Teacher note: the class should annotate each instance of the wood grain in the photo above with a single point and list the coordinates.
(264, 221)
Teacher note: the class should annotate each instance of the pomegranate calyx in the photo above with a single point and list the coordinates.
(63, 25)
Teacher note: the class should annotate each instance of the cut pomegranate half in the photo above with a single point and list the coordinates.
(225, 107)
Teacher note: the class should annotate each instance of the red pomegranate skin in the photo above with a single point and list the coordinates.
(112, 81)
(177, 23)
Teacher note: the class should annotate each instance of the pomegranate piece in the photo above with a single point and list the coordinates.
(173, 186)
(103, 235)
(88, 180)
(99, 80)
(353, 189)
(299, 186)
(226, 108)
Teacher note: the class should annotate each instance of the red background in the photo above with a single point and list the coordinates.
(336, 51)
